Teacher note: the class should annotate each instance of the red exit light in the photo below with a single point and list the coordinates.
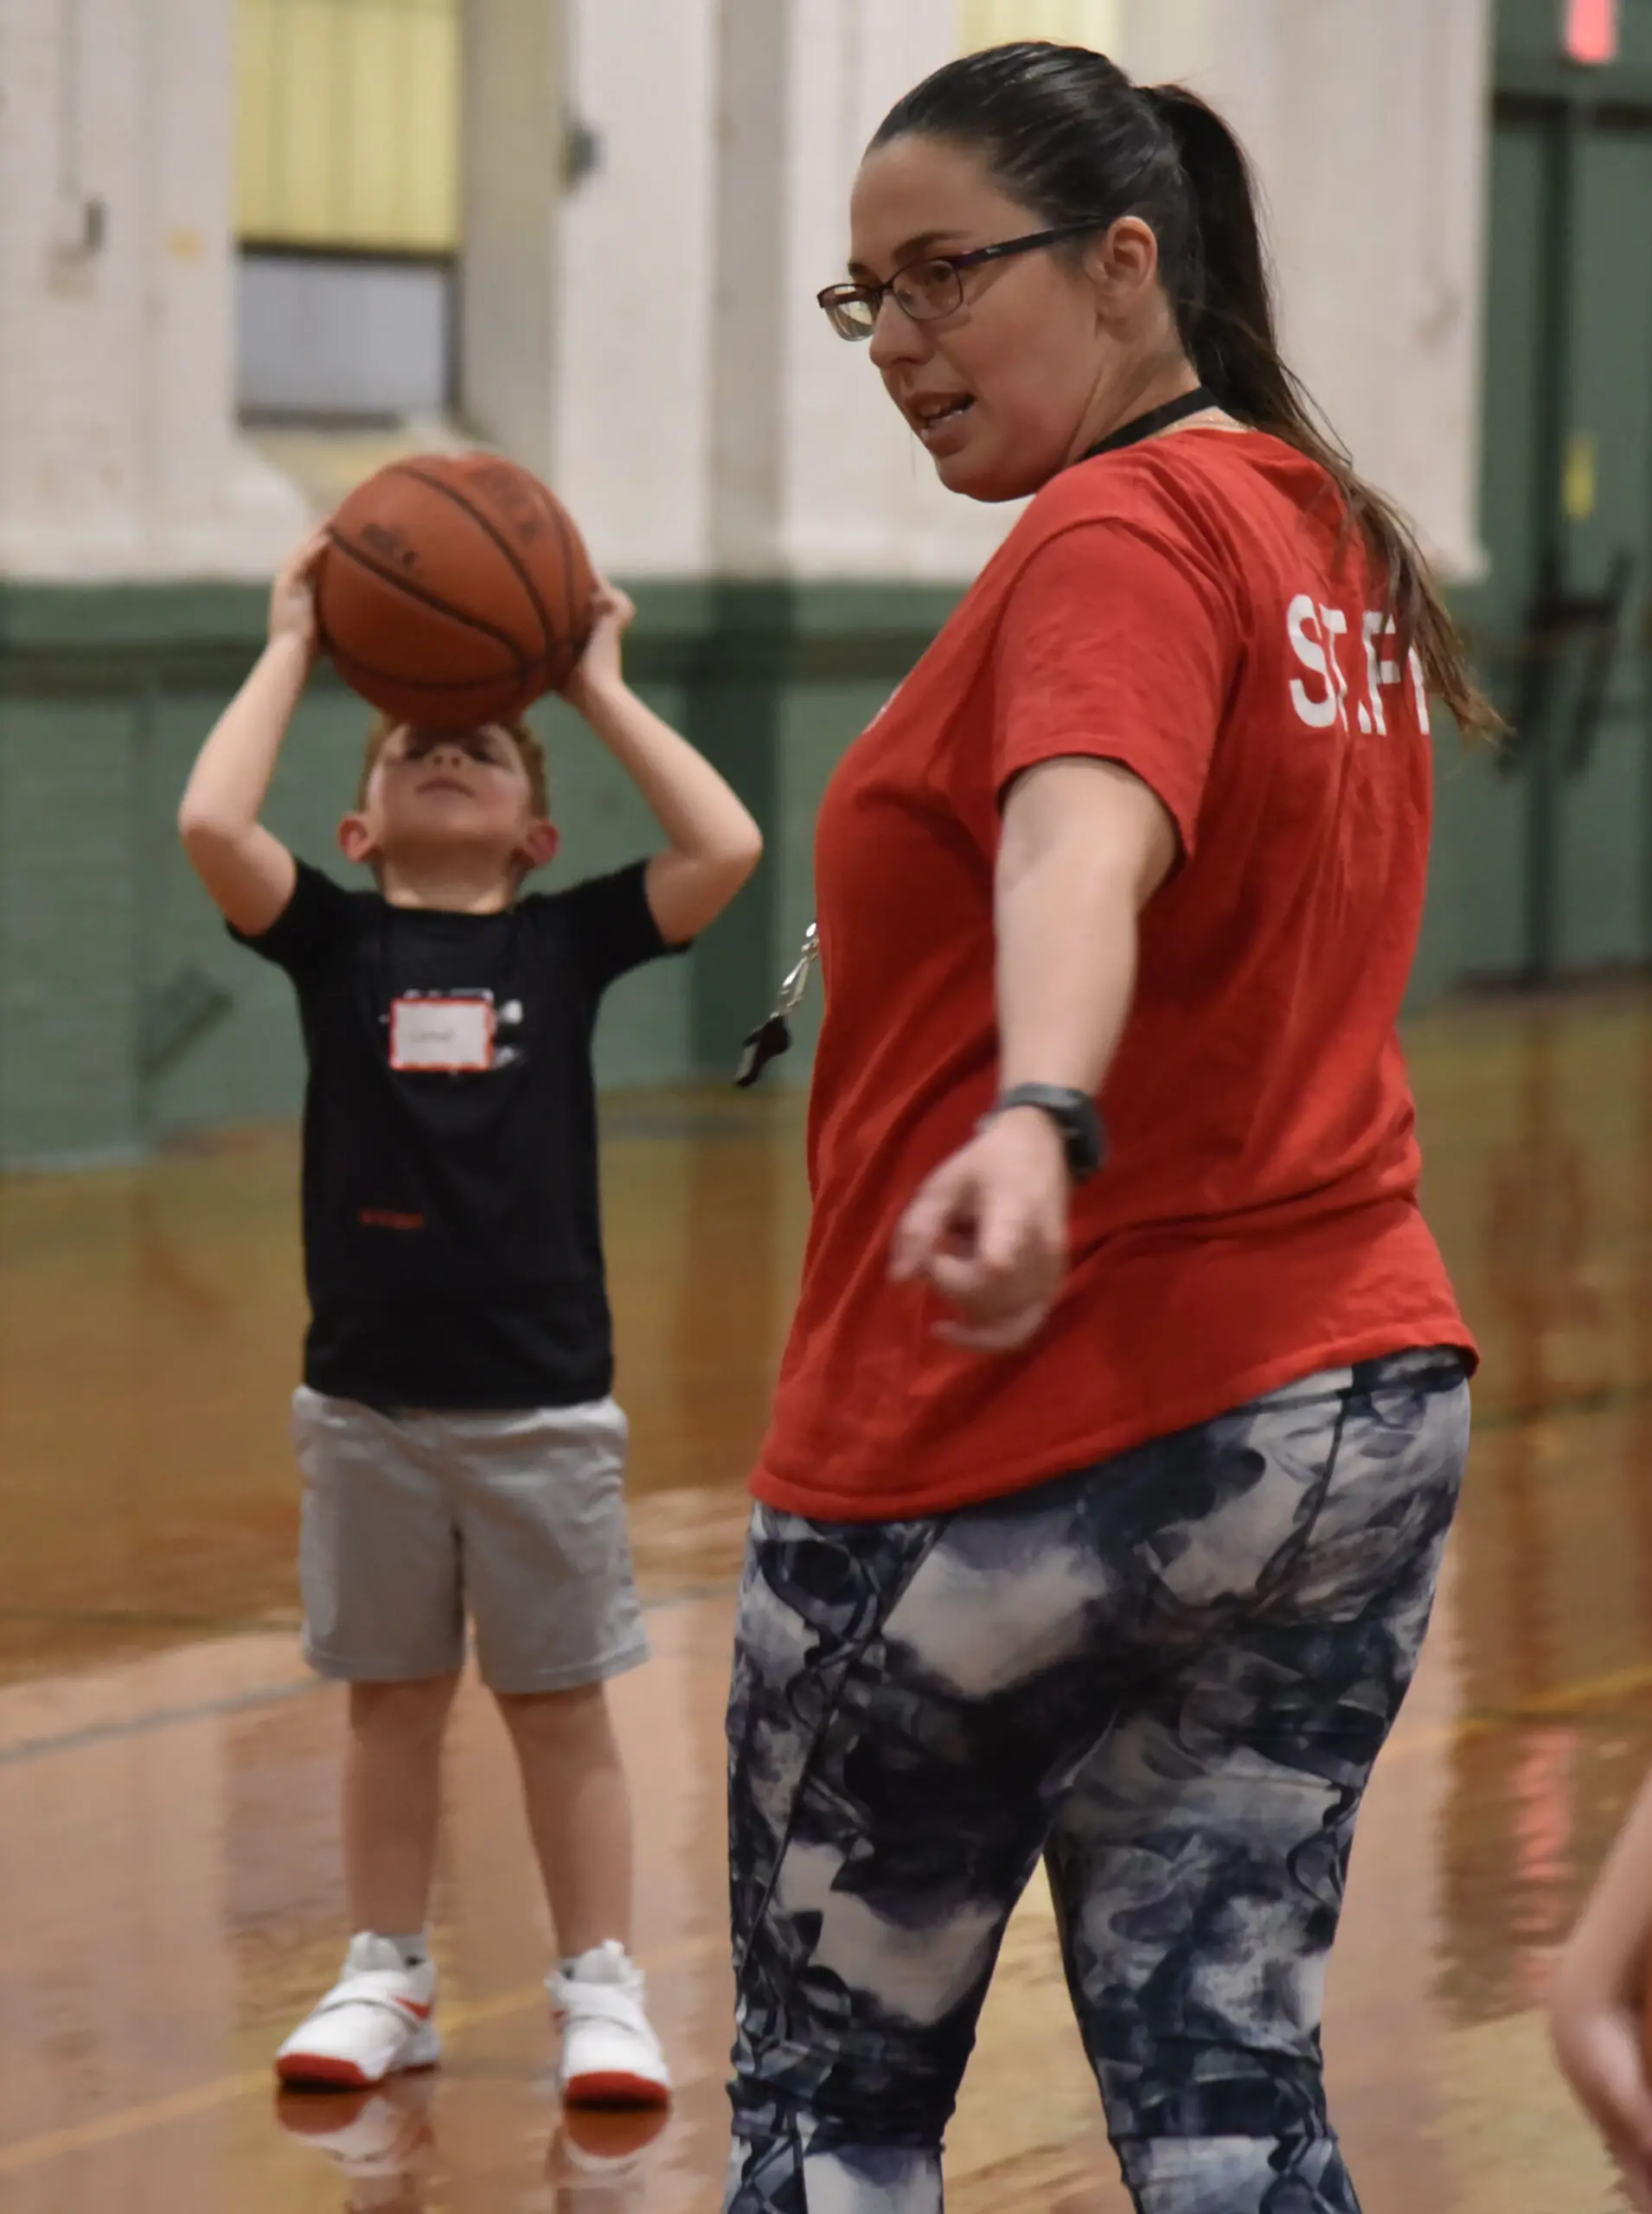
(1592, 31)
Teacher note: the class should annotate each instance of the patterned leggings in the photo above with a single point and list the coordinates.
(1169, 1675)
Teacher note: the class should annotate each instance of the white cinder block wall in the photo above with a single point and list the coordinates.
(700, 418)
(1367, 119)
(637, 268)
(860, 496)
(118, 455)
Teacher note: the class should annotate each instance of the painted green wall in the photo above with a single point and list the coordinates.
(105, 937)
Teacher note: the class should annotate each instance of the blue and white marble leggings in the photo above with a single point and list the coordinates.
(1170, 1676)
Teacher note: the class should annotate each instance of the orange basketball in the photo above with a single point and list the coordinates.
(456, 589)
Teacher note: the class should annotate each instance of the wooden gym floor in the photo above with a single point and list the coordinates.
(169, 1885)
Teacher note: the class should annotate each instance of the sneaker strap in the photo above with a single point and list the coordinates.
(378, 1987)
(596, 2002)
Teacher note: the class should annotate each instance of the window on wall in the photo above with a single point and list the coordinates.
(1072, 23)
(348, 205)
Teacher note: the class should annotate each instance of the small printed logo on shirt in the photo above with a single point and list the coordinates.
(389, 1218)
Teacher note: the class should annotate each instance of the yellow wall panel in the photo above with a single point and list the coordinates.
(1072, 23)
(348, 126)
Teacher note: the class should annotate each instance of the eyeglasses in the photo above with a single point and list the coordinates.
(928, 288)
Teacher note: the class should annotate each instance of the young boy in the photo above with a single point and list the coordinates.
(455, 1428)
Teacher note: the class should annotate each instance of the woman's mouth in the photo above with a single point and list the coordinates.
(937, 421)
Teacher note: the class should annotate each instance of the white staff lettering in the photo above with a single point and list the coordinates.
(1318, 714)
(1314, 630)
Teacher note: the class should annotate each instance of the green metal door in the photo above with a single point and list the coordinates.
(1599, 724)
(1515, 477)
(1557, 861)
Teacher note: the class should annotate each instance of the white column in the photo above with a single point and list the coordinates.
(513, 144)
(862, 498)
(634, 343)
(707, 422)
(118, 451)
(758, 60)
(1368, 122)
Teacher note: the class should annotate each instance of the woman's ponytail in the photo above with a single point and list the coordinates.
(1224, 305)
(1065, 130)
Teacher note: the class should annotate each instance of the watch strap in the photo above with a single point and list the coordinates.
(1074, 1113)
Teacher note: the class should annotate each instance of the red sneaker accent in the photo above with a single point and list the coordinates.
(323, 2068)
(325, 2073)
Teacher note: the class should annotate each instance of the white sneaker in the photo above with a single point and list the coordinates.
(611, 2057)
(375, 2021)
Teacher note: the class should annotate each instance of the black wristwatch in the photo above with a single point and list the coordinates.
(1073, 1114)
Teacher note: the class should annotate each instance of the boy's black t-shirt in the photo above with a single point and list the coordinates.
(452, 1235)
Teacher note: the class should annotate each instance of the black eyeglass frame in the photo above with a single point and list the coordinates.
(836, 297)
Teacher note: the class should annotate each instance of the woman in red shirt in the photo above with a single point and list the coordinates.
(1100, 1515)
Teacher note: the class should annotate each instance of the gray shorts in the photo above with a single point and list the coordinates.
(410, 1518)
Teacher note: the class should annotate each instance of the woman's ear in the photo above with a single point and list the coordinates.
(1124, 263)
(356, 840)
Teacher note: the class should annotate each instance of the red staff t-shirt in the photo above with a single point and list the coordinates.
(1189, 607)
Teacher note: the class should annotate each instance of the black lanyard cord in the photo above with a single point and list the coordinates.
(1157, 419)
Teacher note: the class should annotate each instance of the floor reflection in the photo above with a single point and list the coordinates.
(168, 1882)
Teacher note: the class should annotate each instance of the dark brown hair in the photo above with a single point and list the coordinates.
(527, 744)
(1065, 132)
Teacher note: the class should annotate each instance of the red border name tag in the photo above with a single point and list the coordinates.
(441, 1037)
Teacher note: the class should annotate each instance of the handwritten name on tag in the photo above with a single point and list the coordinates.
(445, 1036)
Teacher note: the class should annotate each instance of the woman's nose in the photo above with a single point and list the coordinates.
(896, 337)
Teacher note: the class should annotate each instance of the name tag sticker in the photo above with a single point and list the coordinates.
(446, 1036)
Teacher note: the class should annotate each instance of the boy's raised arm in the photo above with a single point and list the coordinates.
(249, 873)
(713, 844)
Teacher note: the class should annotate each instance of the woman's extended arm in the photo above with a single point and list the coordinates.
(1086, 845)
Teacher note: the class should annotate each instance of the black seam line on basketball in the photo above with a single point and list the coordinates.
(387, 576)
(570, 619)
(564, 527)
(452, 492)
